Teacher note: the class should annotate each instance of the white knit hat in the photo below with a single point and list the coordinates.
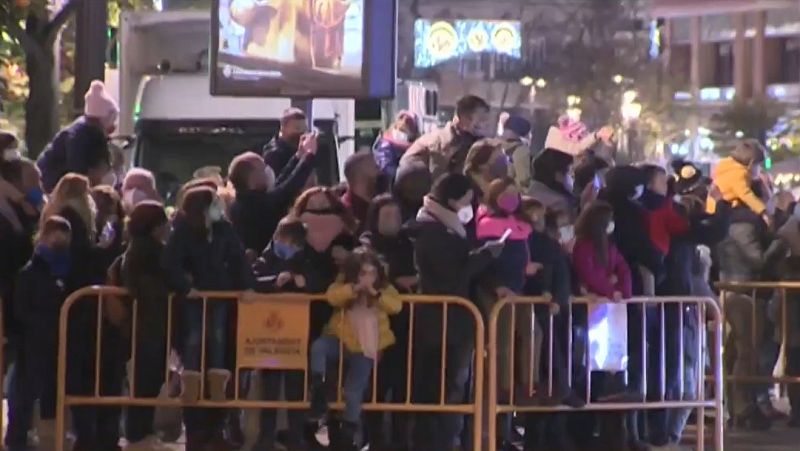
(569, 136)
(98, 104)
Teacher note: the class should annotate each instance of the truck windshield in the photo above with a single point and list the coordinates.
(173, 150)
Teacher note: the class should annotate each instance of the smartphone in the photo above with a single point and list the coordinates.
(505, 236)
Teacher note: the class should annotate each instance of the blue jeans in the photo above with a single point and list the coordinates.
(216, 330)
(359, 368)
(208, 421)
(692, 368)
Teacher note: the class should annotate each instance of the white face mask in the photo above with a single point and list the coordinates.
(215, 212)
(638, 193)
(11, 155)
(399, 135)
(610, 228)
(270, 175)
(566, 233)
(569, 182)
(465, 214)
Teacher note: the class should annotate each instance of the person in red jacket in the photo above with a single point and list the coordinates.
(661, 217)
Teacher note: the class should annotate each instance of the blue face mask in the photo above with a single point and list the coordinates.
(58, 259)
(283, 251)
(35, 197)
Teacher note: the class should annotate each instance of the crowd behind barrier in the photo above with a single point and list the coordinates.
(278, 308)
(454, 213)
(538, 370)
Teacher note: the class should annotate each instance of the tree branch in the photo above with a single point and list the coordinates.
(17, 32)
(61, 18)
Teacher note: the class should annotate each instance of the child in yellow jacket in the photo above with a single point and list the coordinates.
(364, 299)
(733, 177)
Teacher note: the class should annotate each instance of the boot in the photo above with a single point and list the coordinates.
(218, 442)
(346, 440)
(753, 420)
(218, 384)
(190, 381)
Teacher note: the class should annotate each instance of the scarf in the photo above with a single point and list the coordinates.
(363, 318)
(432, 211)
(322, 229)
(59, 261)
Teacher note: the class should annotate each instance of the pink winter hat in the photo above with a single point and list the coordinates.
(98, 104)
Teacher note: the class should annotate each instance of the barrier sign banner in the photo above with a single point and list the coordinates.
(273, 334)
(608, 337)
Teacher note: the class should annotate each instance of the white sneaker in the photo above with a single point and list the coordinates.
(218, 384)
(190, 380)
(150, 443)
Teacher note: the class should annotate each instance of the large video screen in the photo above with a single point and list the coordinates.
(437, 41)
(304, 48)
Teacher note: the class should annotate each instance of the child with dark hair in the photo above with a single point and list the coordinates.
(148, 228)
(662, 219)
(281, 269)
(280, 266)
(40, 291)
(364, 299)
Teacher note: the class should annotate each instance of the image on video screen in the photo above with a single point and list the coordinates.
(301, 44)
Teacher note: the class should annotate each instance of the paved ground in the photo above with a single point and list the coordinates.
(780, 438)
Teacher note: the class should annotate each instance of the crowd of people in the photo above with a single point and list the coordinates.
(454, 212)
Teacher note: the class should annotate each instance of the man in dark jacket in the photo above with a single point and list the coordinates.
(446, 150)
(82, 147)
(448, 266)
(256, 211)
(279, 151)
(37, 303)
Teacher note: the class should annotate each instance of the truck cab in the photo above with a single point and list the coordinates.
(165, 103)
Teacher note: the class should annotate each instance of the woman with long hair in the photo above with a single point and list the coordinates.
(94, 427)
(204, 253)
(599, 266)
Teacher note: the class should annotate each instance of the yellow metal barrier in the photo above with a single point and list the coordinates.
(705, 308)
(2, 373)
(757, 319)
(274, 321)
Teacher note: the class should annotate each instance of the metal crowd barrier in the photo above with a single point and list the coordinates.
(2, 374)
(262, 319)
(757, 294)
(705, 308)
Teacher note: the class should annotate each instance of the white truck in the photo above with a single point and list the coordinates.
(179, 127)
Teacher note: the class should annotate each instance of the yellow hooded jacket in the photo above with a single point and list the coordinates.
(733, 180)
(340, 294)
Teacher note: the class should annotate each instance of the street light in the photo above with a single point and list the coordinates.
(618, 79)
(541, 83)
(631, 111)
(526, 81)
(573, 100)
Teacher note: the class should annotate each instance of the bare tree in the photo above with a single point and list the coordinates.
(37, 39)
